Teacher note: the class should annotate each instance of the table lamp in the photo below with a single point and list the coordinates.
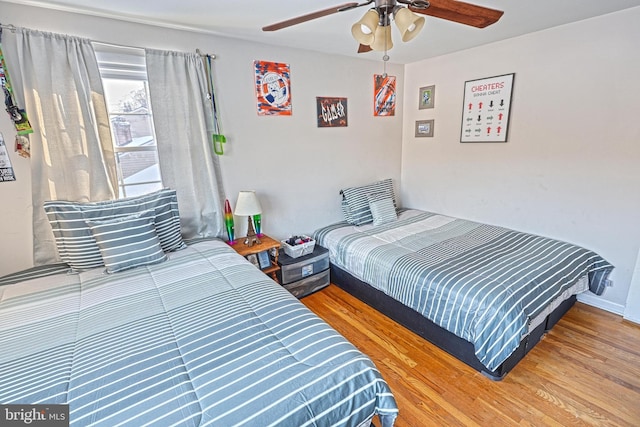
(248, 205)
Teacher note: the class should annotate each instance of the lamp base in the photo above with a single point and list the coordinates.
(252, 238)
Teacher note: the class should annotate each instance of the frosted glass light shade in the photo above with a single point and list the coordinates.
(382, 40)
(408, 23)
(364, 29)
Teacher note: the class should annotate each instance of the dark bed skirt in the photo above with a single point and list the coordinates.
(452, 344)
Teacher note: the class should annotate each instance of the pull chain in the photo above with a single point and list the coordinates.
(385, 58)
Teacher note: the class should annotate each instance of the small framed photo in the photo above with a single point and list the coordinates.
(253, 259)
(264, 260)
(427, 97)
(424, 128)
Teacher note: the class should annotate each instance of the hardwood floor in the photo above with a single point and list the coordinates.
(585, 372)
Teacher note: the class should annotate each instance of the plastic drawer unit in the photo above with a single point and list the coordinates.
(306, 274)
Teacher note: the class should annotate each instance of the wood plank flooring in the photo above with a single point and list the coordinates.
(585, 372)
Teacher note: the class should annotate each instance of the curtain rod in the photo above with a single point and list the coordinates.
(13, 28)
(205, 54)
(9, 27)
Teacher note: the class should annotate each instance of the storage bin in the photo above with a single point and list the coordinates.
(294, 269)
(297, 251)
(308, 285)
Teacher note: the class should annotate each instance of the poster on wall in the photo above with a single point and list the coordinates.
(18, 115)
(273, 88)
(332, 112)
(6, 170)
(486, 107)
(384, 95)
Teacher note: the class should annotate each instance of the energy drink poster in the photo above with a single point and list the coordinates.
(384, 95)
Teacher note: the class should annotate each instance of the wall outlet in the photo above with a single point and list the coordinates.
(608, 283)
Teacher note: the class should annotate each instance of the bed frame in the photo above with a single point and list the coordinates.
(452, 344)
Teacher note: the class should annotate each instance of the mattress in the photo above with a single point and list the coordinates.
(202, 339)
(483, 283)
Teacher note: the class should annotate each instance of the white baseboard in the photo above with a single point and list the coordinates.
(633, 319)
(594, 301)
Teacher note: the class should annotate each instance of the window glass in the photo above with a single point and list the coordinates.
(124, 79)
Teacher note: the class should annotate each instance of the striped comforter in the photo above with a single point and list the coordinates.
(201, 339)
(482, 283)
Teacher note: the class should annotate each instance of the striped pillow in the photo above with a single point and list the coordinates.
(128, 242)
(355, 205)
(77, 247)
(382, 208)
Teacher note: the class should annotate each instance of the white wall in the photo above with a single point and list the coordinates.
(571, 167)
(632, 309)
(295, 167)
(15, 206)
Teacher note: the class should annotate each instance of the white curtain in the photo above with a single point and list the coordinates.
(182, 116)
(57, 80)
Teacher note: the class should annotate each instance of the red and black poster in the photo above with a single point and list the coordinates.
(332, 112)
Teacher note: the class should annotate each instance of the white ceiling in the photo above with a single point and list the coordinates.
(244, 19)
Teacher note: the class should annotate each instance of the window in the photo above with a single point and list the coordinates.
(124, 78)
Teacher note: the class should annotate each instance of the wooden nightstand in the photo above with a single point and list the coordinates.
(267, 244)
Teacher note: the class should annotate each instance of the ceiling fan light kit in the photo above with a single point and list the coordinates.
(373, 30)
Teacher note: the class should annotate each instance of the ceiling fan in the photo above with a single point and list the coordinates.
(373, 31)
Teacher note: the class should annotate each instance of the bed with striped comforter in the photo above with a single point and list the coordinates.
(203, 339)
(482, 283)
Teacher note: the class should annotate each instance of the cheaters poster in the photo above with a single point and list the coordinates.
(6, 170)
(273, 88)
(486, 107)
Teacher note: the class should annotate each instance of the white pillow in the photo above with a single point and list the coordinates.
(383, 210)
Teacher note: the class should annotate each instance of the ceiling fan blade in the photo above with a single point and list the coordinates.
(363, 48)
(307, 17)
(461, 12)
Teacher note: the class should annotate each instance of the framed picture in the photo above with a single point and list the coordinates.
(253, 259)
(427, 97)
(485, 109)
(332, 112)
(264, 260)
(424, 128)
